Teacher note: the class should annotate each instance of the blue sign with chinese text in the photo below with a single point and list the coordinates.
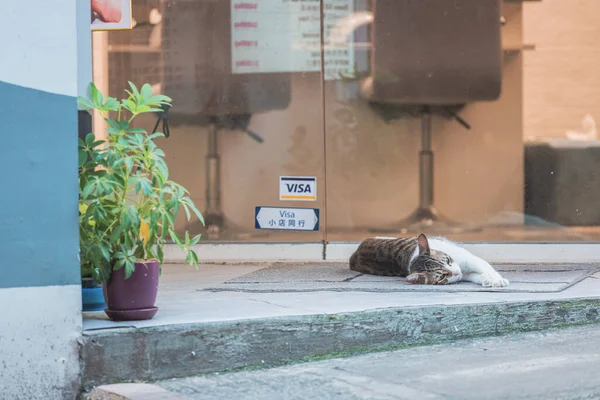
(286, 218)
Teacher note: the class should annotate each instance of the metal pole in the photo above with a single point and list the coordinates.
(426, 162)
(213, 173)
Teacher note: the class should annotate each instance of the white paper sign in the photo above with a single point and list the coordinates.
(285, 36)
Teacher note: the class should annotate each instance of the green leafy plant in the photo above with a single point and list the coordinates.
(127, 204)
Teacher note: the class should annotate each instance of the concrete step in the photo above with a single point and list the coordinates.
(133, 391)
(554, 364)
(152, 353)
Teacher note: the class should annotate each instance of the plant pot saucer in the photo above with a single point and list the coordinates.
(131, 315)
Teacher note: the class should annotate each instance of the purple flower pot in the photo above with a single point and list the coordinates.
(132, 299)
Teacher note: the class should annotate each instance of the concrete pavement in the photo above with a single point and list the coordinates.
(183, 298)
(198, 331)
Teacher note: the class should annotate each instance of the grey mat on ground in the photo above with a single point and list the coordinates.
(338, 277)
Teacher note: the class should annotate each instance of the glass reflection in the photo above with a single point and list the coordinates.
(472, 120)
(243, 82)
(431, 134)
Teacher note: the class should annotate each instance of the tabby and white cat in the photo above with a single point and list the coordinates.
(435, 261)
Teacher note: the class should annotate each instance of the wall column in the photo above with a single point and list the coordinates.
(40, 285)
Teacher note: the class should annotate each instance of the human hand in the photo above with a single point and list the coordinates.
(108, 10)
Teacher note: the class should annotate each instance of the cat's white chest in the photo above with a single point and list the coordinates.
(473, 269)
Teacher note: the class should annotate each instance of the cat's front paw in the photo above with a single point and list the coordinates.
(494, 281)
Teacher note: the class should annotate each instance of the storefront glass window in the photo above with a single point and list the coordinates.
(471, 120)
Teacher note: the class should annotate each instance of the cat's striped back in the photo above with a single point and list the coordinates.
(384, 256)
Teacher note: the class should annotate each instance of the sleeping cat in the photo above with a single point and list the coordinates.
(435, 261)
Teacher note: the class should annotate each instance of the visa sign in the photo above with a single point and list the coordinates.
(298, 188)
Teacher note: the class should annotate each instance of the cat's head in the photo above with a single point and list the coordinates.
(432, 267)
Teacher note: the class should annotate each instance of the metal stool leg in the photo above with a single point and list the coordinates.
(426, 218)
(213, 216)
(217, 227)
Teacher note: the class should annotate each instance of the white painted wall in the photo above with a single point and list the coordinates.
(38, 46)
(84, 48)
(39, 350)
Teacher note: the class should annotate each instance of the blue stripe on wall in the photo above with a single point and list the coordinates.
(39, 238)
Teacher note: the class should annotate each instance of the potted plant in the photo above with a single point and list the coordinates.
(128, 205)
(92, 295)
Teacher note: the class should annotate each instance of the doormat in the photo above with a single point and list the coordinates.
(292, 277)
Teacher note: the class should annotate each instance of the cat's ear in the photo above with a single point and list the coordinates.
(423, 245)
(416, 279)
